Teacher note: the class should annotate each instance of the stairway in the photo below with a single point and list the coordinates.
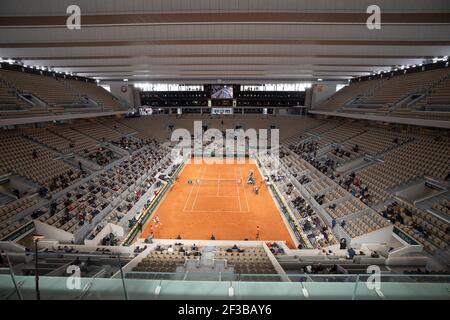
(428, 203)
(208, 256)
(443, 256)
(5, 199)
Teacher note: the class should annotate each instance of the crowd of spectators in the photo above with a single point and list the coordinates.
(131, 144)
(352, 184)
(110, 240)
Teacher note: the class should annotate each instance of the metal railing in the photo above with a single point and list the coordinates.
(213, 285)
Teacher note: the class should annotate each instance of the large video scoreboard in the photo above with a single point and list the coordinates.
(222, 96)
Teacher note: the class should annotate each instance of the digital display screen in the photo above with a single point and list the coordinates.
(221, 92)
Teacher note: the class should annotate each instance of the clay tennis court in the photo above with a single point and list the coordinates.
(220, 202)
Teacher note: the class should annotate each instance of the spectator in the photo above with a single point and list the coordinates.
(351, 253)
(77, 261)
(149, 238)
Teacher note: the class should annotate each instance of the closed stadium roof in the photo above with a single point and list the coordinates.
(194, 40)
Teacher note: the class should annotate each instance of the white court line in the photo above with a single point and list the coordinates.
(211, 211)
(218, 185)
(198, 189)
(237, 189)
(245, 192)
(189, 197)
(212, 196)
(217, 196)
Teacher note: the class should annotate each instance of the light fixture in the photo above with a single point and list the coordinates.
(38, 237)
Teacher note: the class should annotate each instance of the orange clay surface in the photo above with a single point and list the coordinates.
(229, 209)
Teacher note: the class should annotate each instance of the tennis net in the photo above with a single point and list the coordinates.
(218, 181)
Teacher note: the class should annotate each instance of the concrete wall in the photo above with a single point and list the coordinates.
(385, 118)
(109, 228)
(321, 92)
(308, 97)
(382, 236)
(137, 97)
(52, 233)
(125, 92)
